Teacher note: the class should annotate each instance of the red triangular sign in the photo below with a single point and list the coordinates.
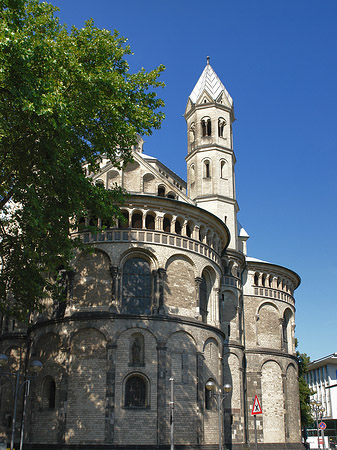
(256, 407)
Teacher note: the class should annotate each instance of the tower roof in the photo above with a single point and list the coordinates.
(211, 83)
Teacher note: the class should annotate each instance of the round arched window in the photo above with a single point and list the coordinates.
(135, 392)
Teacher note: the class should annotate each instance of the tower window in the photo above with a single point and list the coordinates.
(221, 126)
(207, 169)
(206, 126)
(223, 171)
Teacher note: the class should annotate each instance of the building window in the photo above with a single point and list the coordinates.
(167, 225)
(48, 393)
(124, 221)
(149, 222)
(161, 191)
(210, 403)
(137, 220)
(135, 392)
(206, 126)
(221, 126)
(136, 286)
(177, 227)
(207, 170)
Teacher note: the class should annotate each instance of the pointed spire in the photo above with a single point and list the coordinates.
(211, 83)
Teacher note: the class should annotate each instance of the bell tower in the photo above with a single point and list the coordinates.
(210, 157)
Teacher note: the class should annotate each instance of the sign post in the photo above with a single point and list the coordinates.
(322, 427)
(256, 410)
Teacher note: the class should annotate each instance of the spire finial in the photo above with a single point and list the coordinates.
(208, 58)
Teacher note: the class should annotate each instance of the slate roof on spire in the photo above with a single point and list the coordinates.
(210, 82)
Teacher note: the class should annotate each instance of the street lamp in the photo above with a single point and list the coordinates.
(318, 410)
(15, 380)
(220, 397)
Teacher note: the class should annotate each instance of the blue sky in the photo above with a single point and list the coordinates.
(278, 60)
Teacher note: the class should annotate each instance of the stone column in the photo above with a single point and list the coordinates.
(161, 282)
(155, 293)
(195, 233)
(200, 398)
(115, 306)
(198, 281)
(110, 393)
(162, 403)
(63, 396)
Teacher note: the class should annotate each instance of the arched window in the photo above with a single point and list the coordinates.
(124, 222)
(206, 126)
(192, 132)
(287, 331)
(223, 170)
(161, 191)
(177, 227)
(135, 392)
(256, 279)
(203, 299)
(263, 279)
(171, 195)
(136, 286)
(149, 222)
(188, 230)
(210, 403)
(221, 126)
(207, 169)
(167, 224)
(48, 393)
(137, 220)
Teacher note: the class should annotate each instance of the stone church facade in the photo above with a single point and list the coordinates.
(168, 292)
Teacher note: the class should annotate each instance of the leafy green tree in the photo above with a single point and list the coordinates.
(305, 391)
(65, 97)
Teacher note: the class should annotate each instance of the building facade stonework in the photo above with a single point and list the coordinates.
(168, 292)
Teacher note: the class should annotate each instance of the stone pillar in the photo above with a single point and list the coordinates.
(195, 233)
(63, 397)
(162, 396)
(110, 393)
(155, 293)
(115, 306)
(161, 282)
(283, 334)
(238, 324)
(198, 281)
(200, 398)
(159, 223)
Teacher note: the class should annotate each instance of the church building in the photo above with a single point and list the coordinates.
(168, 299)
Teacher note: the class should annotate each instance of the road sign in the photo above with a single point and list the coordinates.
(322, 425)
(256, 407)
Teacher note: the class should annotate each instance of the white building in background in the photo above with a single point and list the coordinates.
(322, 379)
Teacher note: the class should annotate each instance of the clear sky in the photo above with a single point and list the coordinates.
(278, 60)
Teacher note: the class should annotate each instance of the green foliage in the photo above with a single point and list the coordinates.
(65, 98)
(305, 391)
